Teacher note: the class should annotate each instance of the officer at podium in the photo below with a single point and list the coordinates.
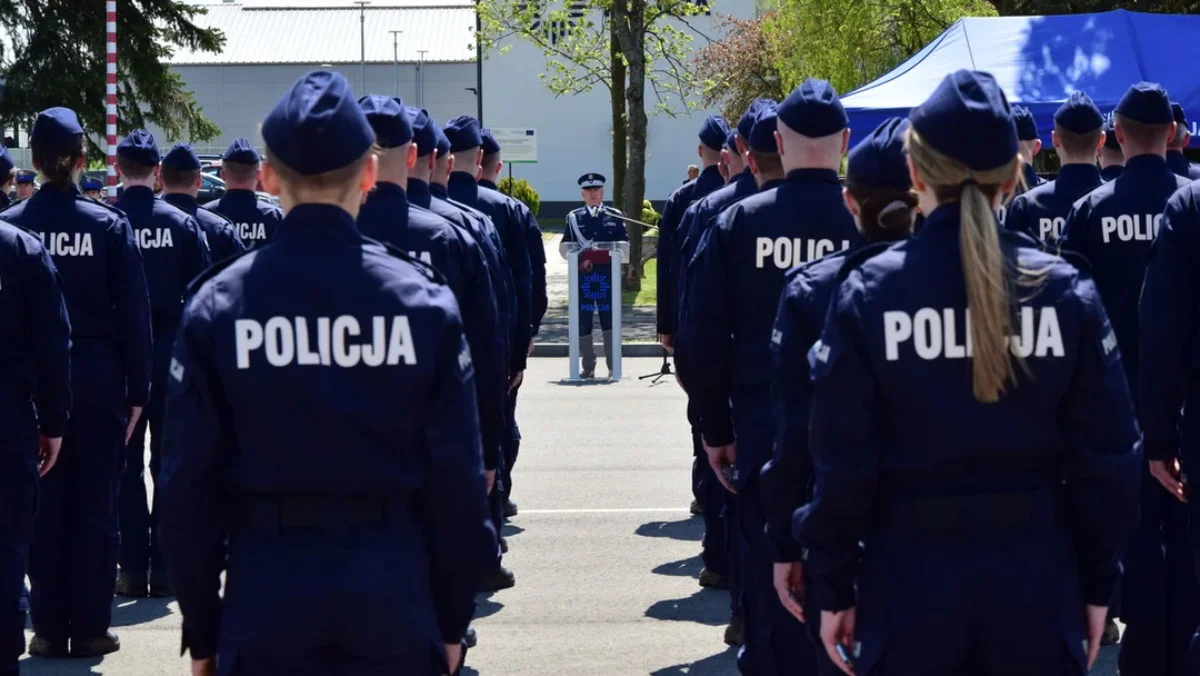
(590, 224)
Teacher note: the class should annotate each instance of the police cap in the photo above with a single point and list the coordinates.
(6, 163)
(182, 157)
(55, 126)
(490, 147)
(1026, 125)
(968, 118)
(443, 143)
(714, 132)
(139, 146)
(1146, 102)
(317, 126)
(1178, 115)
(813, 109)
(241, 152)
(25, 176)
(592, 180)
(746, 122)
(1079, 114)
(1110, 136)
(731, 140)
(424, 132)
(762, 134)
(879, 159)
(463, 133)
(89, 183)
(387, 117)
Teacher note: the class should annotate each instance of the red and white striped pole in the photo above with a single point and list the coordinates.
(111, 95)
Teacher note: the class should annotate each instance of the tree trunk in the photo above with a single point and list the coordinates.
(631, 33)
(619, 136)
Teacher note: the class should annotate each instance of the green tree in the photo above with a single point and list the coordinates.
(56, 56)
(630, 47)
(851, 42)
(739, 67)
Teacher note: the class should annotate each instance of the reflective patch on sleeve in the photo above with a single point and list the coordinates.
(464, 367)
(824, 354)
(1109, 350)
(177, 370)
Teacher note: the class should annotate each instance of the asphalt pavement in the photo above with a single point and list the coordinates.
(604, 550)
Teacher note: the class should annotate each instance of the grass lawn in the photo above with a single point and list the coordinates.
(649, 293)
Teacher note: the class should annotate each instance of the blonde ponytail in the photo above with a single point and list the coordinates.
(986, 274)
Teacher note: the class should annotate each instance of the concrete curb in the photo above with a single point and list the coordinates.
(627, 350)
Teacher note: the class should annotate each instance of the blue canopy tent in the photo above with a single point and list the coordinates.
(1041, 60)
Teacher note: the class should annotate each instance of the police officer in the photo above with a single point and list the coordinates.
(91, 187)
(181, 181)
(1031, 145)
(1114, 227)
(7, 175)
(736, 283)
(73, 560)
(986, 492)
(388, 217)
(253, 218)
(26, 184)
(35, 352)
(879, 195)
(713, 134)
(1183, 136)
(1078, 136)
(367, 510)
(1168, 365)
(1112, 160)
(173, 254)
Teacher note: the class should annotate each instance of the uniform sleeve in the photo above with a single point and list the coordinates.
(845, 440)
(1103, 471)
(710, 351)
(452, 502)
(193, 491)
(787, 477)
(666, 260)
(1016, 217)
(517, 247)
(568, 235)
(481, 324)
(1075, 230)
(131, 302)
(236, 245)
(50, 329)
(1167, 316)
(537, 263)
(196, 257)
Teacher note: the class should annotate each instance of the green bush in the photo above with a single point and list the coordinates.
(649, 215)
(520, 189)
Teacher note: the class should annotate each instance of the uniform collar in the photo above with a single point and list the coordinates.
(483, 182)
(813, 176)
(1111, 172)
(1178, 162)
(745, 180)
(1078, 175)
(774, 183)
(318, 221)
(241, 194)
(1146, 164)
(1030, 174)
(419, 193)
(187, 202)
(462, 182)
(392, 192)
(594, 212)
(137, 194)
(4, 201)
(438, 190)
(944, 220)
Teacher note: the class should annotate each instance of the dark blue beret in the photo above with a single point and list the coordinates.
(879, 160)
(89, 183)
(490, 147)
(54, 126)
(241, 152)
(1110, 136)
(1026, 125)
(814, 110)
(386, 116)
(762, 134)
(1178, 115)
(1146, 102)
(968, 118)
(746, 122)
(592, 180)
(463, 133)
(317, 126)
(424, 135)
(181, 157)
(26, 176)
(6, 163)
(1079, 114)
(731, 140)
(139, 146)
(714, 132)
(443, 143)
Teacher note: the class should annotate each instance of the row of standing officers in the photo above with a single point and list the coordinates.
(913, 407)
(331, 416)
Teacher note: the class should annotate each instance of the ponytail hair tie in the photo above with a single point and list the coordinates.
(894, 206)
(970, 180)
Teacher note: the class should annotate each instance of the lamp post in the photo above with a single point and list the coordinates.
(396, 61)
(362, 40)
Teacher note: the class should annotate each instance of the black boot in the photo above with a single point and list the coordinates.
(495, 581)
(510, 508)
(43, 647)
(95, 647)
(160, 586)
(129, 587)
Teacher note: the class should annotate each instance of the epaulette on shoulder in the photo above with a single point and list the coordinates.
(212, 271)
(106, 205)
(424, 268)
(218, 214)
(854, 260)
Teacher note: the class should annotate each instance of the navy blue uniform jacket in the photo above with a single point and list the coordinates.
(1042, 212)
(219, 234)
(1180, 165)
(537, 259)
(253, 219)
(709, 180)
(172, 251)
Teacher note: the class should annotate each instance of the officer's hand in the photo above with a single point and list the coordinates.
(453, 656)
(720, 457)
(48, 448)
(838, 629)
(667, 341)
(789, 584)
(515, 381)
(587, 266)
(135, 412)
(204, 667)
(1168, 472)
(1096, 618)
(491, 480)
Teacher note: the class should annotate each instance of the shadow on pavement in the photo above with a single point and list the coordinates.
(37, 665)
(708, 607)
(509, 530)
(720, 664)
(682, 568)
(584, 383)
(485, 606)
(688, 529)
(468, 671)
(128, 612)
